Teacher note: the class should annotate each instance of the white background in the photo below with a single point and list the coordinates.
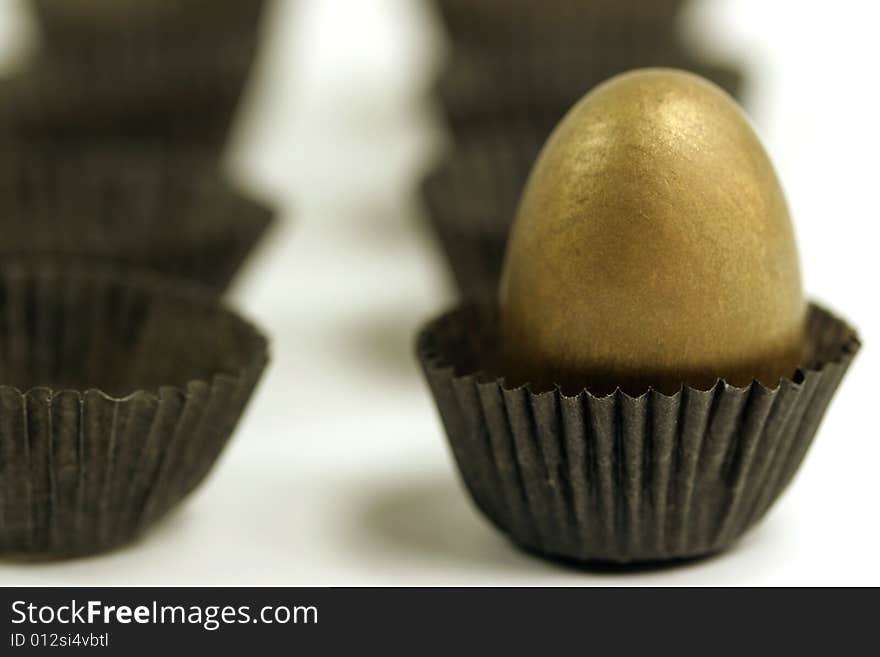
(339, 474)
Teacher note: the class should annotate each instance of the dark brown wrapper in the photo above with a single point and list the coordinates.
(523, 23)
(189, 93)
(156, 207)
(73, 24)
(620, 478)
(471, 201)
(119, 391)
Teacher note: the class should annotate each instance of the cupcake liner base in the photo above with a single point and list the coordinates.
(119, 393)
(619, 478)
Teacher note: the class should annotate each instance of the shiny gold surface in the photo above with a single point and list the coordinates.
(652, 247)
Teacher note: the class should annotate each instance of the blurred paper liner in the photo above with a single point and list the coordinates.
(471, 201)
(119, 391)
(156, 70)
(620, 478)
(82, 23)
(152, 207)
(572, 23)
(186, 92)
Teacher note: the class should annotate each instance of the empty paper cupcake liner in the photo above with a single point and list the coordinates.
(621, 478)
(190, 94)
(118, 392)
(72, 24)
(480, 88)
(129, 204)
(471, 201)
(518, 23)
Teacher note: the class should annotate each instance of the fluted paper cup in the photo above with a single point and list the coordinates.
(193, 98)
(157, 208)
(524, 23)
(73, 25)
(471, 200)
(620, 478)
(118, 392)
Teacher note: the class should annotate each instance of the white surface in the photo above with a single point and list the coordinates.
(338, 134)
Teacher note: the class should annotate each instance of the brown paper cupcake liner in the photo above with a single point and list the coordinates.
(621, 478)
(71, 24)
(189, 93)
(118, 392)
(519, 23)
(482, 88)
(128, 204)
(471, 201)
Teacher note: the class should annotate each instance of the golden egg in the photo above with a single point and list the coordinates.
(652, 247)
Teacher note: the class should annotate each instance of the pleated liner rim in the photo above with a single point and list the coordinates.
(156, 284)
(159, 286)
(621, 478)
(83, 471)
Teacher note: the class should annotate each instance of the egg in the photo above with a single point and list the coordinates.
(652, 248)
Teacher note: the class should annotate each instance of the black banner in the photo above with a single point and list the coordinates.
(411, 621)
